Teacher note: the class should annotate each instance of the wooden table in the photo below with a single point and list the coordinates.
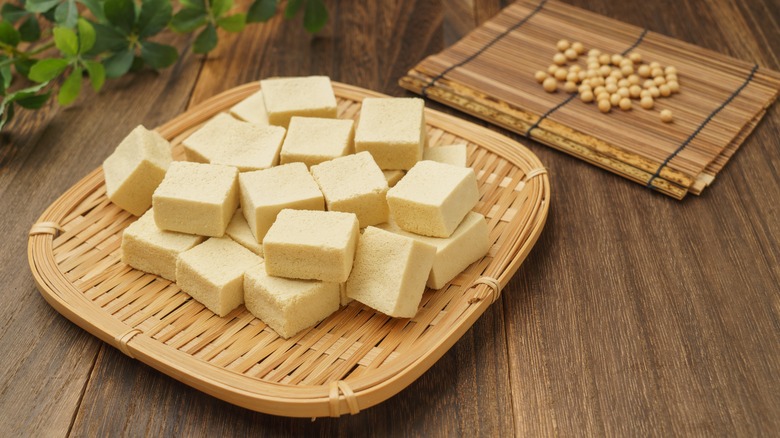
(634, 314)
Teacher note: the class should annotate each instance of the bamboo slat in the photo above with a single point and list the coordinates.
(354, 359)
(490, 74)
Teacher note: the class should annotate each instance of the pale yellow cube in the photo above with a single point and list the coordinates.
(433, 198)
(354, 184)
(150, 249)
(453, 154)
(239, 231)
(310, 96)
(469, 243)
(251, 109)
(390, 272)
(393, 176)
(230, 142)
(311, 245)
(213, 273)
(136, 168)
(312, 140)
(196, 198)
(392, 129)
(267, 192)
(289, 306)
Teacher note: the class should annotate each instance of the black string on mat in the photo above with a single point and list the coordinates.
(571, 97)
(471, 57)
(701, 126)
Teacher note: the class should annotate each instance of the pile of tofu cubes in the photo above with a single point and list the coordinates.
(293, 212)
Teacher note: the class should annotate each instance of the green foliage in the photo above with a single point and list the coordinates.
(104, 39)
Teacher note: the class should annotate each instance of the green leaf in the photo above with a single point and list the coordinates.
(71, 88)
(315, 16)
(66, 13)
(108, 39)
(30, 30)
(118, 64)
(293, 6)
(12, 13)
(96, 7)
(158, 56)
(47, 69)
(33, 101)
(232, 23)
(40, 5)
(121, 14)
(261, 10)
(8, 34)
(87, 35)
(187, 20)
(6, 114)
(97, 74)
(5, 75)
(155, 15)
(194, 4)
(219, 7)
(137, 65)
(66, 40)
(23, 66)
(206, 40)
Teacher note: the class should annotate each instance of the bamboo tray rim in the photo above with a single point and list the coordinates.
(304, 400)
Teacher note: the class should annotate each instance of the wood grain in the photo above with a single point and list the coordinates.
(633, 315)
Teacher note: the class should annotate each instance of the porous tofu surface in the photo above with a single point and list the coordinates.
(213, 273)
(390, 272)
(467, 244)
(265, 193)
(196, 198)
(239, 231)
(251, 109)
(392, 129)
(135, 169)
(288, 306)
(312, 140)
(433, 198)
(150, 249)
(309, 96)
(305, 244)
(354, 184)
(455, 154)
(227, 141)
(393, 176)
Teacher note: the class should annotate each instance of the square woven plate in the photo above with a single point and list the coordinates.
(354, 359)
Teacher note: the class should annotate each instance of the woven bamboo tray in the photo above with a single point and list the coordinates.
(354, 359)
(490, 74)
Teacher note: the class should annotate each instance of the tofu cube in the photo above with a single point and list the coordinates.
(469, 243)
(150, 249)
(196, 198)
(312, 140)
(239, 231)
(453, 154)
(310, 96)
(390, 272)
(289, 306)
(265, 193)
(136, 168)
(213, 273)
(311, 245)
(393, 176)
(433, 198)
(230, 142)
(354, 184)
(392, 129)
(251, 109)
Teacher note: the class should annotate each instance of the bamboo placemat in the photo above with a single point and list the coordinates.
(352, 360)
(490, 74)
